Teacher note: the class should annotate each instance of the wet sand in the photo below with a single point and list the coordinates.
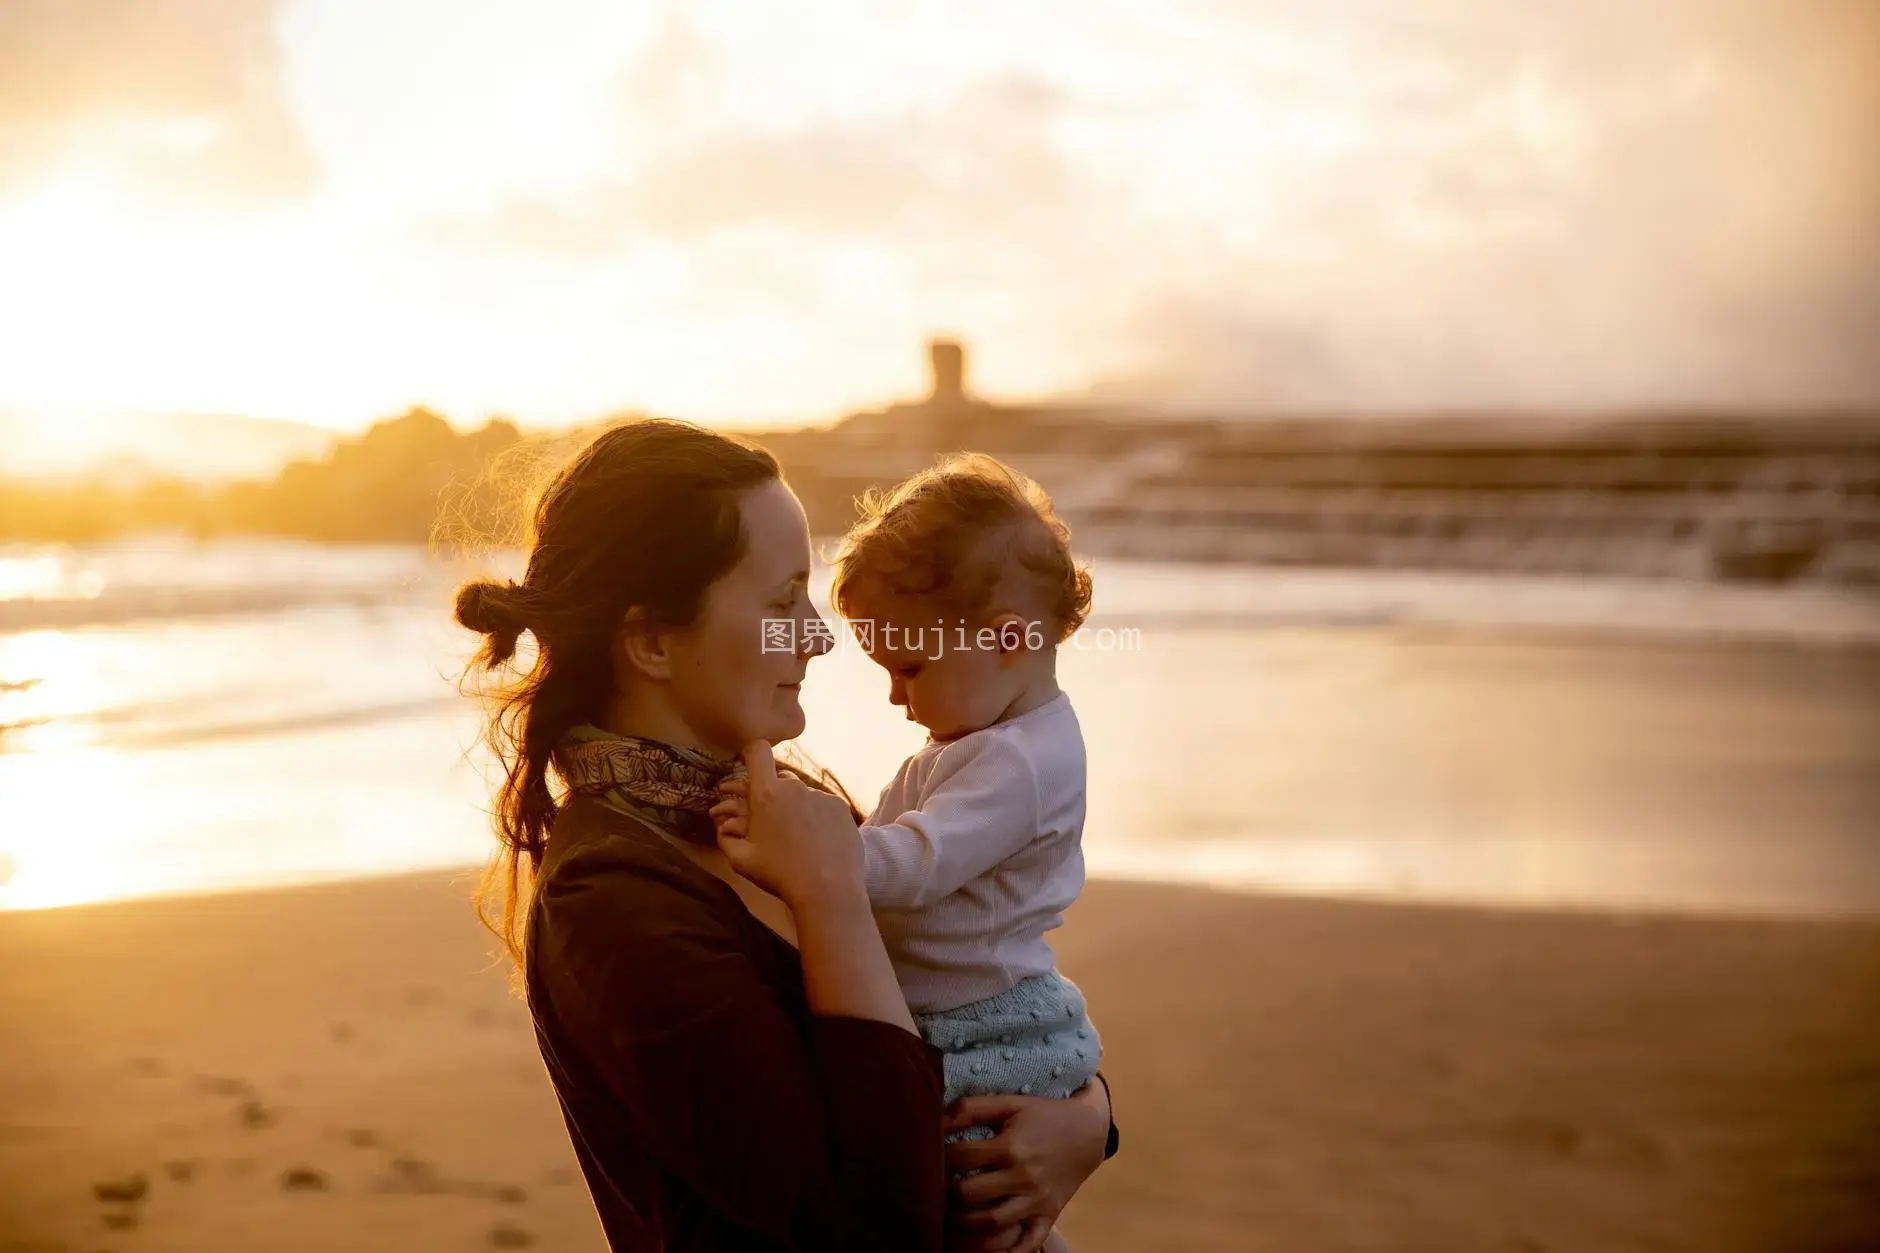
(345, 1067)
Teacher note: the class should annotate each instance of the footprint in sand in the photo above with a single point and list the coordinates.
(411, 1175)
(504, 1193)
(303, 1179)
(181, 1171)
(420, 996)
(509, 1236)
(127, 1191)
(560, 1177)
(363, 1138)
(253, 1114)
(119, 1221)
(341, 1032)
(146, 1067)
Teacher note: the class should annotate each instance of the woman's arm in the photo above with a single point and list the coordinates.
(1043, 1152)
(800, 844)
(821, 1138)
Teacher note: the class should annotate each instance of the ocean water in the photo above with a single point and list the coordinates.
(177, 718)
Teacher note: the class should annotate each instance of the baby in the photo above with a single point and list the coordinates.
(961, 585)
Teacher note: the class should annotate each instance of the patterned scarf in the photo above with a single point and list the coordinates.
(670, 787)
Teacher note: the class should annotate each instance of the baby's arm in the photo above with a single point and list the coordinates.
(981, 808)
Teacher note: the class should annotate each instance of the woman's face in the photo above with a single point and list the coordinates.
(736, 674)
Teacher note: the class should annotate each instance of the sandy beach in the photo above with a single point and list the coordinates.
(345, 1067)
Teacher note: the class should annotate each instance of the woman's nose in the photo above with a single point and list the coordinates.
(816, 638)
(897, 692)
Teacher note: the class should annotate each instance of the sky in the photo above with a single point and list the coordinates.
(330, 210)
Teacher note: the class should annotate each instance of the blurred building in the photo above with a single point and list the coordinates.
(1777, 498)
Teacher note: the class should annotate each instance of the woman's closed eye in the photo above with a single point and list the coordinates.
(790, 597)
(906, 672)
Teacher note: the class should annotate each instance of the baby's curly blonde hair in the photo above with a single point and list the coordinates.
(963, 533)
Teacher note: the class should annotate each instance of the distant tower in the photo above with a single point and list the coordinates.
(946, 359)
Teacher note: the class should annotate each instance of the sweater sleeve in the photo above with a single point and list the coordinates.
(828, 1140)
(981, 807)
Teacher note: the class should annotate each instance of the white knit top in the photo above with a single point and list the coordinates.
(974, 852)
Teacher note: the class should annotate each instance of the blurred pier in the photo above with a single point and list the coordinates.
(1762, 499)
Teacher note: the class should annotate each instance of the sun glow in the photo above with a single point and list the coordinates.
(137, 307)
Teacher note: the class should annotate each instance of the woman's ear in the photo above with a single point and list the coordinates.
(640, 646)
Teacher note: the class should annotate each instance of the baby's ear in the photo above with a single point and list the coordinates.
(1010, 631)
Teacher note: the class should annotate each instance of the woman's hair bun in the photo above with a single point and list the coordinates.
(493, 609)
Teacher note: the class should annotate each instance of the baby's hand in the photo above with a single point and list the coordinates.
(732, 815)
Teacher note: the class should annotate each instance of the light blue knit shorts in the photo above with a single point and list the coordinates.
(1033, 1039)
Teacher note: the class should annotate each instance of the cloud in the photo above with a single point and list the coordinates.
(1457, 202)
(181, 99)
(1580, 206)
(971, 163)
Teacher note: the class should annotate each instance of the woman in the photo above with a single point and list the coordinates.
(734, 1060)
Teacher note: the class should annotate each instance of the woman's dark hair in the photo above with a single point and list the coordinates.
(645, 516)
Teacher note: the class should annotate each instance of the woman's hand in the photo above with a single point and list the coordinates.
(1041, 1155)
(793, 841)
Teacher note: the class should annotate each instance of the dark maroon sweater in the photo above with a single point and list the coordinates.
(709, 1107)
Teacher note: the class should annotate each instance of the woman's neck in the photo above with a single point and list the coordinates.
(650, 717)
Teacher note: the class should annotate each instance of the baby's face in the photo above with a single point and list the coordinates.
(950, 675)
